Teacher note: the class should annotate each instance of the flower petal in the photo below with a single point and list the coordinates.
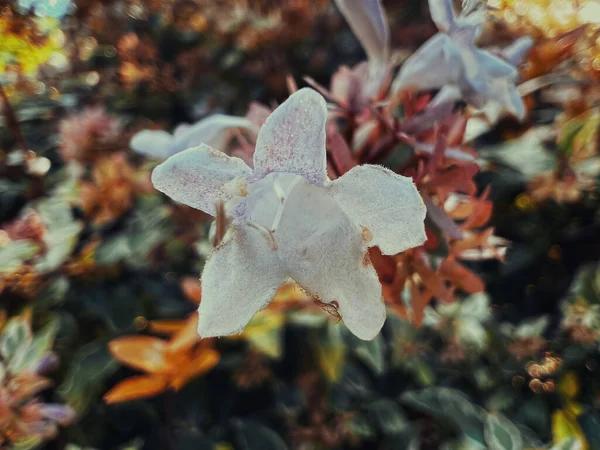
(493, 66)
(214, 131)
(240, 278)
(516, 52)
(196, 176)
(293, 138)
(325, 252)
(439, 52)
(442, 13)
(317, 245)
(154, 143)
(386, 203)
(141, 352)
(136, 387)
(368, 22)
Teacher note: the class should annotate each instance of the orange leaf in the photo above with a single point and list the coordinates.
(146, 353)
(186, 336)
(136, 387)
(192, 288)
(204, 360)
(167, 327)
(432, 281)
(461, 276)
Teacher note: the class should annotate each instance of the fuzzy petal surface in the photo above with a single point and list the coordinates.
(369, 24)
(292, 138)
(239, 279)
(196, 176)
(385, 203)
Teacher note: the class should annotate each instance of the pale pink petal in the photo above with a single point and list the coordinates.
(196, 176)
(516, 52)
(442, 13)
(369, 24)
(388, 205)
(153, 143)
(293, 138)
(214, 130)
(417, 72)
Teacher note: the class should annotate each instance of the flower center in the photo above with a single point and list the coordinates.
(282, 185)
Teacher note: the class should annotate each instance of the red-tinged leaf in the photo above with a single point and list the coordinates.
(385, 265)
(461, 276)
(439, 217)
(457, 178)
(481, 213)
(433, 281)
(133, 388)
(146, 353)
(339, 151)
(419, 301)
(456, 125)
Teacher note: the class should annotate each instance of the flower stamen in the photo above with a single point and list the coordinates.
(283, 197)
(268, 234)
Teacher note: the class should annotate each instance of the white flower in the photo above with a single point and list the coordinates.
(451, 60)
(215, 130)
(368, 21)
(289, 221)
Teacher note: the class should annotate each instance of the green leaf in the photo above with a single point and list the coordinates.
(60, 243)
(264, 333)
(388, 416)
(569, 132)
(53, 294)
(452, 405)
(590, 424)
(113, 251)
(15, 338)
(501, 433)
(87, 372)
(39, 347)
(568, 444)
(361, 427)
(331, 351)
(252, 435)
(15, 253)
(27, 444)
(371, 353)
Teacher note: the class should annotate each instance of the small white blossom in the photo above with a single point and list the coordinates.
(450, 60)
(289, 221)
(215, 130)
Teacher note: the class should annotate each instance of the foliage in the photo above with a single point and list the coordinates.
(493, 324)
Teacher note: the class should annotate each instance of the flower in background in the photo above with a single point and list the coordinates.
(462, 70)
(47, 8)
(216, 131)
(288, 220)
(89, 134)
(112, 191)
(24, 417)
